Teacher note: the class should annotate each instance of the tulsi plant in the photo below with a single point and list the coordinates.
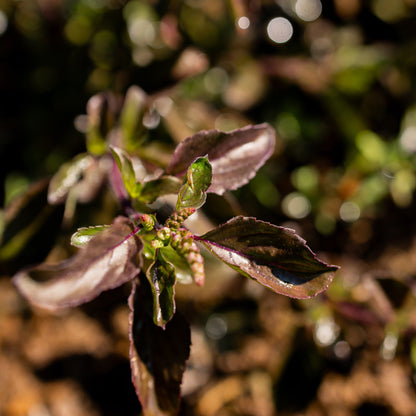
(155, 252)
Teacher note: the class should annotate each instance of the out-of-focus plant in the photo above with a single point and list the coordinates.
(150, 246)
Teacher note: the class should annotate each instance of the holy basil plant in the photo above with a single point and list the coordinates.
(156, 254)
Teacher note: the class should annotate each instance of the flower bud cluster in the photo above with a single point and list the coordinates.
(147, 221)
(178, 217)
(183, 242)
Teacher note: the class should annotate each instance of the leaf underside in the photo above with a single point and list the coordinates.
(276, 257)
(107, 261)
(235, 156)
(157, 356)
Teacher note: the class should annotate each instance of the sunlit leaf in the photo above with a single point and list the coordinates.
(83, 235)
(107, 261)
(157, 356)
(68, 175)
(198, 180)
(165, 185)
(235, 156)
(274, 256)
(125, 166)
(161, 276)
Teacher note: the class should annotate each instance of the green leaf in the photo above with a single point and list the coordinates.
(165, 185)
(157, 356)
(110, 259)
(161, 276)
(197, 182)
(83, 235)
(274, 256)
(183, 272)
(128, 175)
(131, 117)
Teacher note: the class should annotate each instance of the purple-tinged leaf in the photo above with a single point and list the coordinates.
(157, 356)
(274, 256)
(161, 276)
(107, 261)
(235, 156)
(125, 166)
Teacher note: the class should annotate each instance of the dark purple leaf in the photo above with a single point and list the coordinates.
(107, 261)
(235, 156)
(157, 356)
(274, 256)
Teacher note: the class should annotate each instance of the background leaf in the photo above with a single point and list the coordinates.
(109, 260)
(68, 175)
(30, 228)
(157, 356)
(274, 256)
(235, 156)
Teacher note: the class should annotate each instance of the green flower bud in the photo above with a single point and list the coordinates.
(147, 221)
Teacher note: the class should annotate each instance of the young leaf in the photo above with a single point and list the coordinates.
(107, 261)
(83, 235)
(125, 166)
(274, 256)
(198, 180)
(165, 185)
(161, 276)
(235, 156)
(157, 356)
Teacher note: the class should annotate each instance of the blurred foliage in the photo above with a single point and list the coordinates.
(340, 92)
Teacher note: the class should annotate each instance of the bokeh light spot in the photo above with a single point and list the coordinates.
(349, 211)
(326, 332)
(308, 10)
(243, 22)
(216, 327)
(3, 22)
(279, 30)
(408, 139)
(296, 205)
